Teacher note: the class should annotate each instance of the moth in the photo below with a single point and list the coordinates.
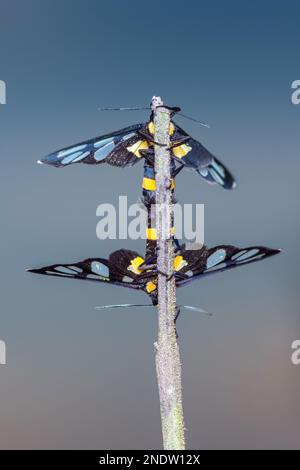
(129, 269)
(128, 146)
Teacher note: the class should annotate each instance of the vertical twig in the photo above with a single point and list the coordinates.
(168, 366)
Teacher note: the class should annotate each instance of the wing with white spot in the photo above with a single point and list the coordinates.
(91, 269)
(206, 261)
(195, 156)
(216, 173)
(120, 148)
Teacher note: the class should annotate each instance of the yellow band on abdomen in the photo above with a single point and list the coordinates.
(151, 233)
(149, 184)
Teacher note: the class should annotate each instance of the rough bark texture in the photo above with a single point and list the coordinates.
(168, 366)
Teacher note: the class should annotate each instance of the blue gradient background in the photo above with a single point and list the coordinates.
(78, 378)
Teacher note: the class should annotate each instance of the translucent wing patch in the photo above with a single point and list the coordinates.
(217, 173)
(220, 258)
(195, 156)
(86, 269)
(91, 269)
(109, 148)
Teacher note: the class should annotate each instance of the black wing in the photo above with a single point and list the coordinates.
(120, 148)
(91, 269)
(195, 156)
(199, 263)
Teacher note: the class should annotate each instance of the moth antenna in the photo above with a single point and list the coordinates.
(101, 307)
(137, 108)
(194, 120)
(196, 309)
(187, 307)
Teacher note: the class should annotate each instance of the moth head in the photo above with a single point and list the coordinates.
(156, 101)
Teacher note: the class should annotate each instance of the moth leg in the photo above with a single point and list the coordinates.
(168, 276)
(181, 275)
(176, 159)
(179, 142)
(155, 271)
(145, 266)
(177, 313)
(176, 243)
(149, 139)
(178, 169)
(148, 155)
(144, 135)
(148, 263)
